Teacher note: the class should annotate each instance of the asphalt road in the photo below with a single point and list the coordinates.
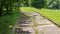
(43, 25)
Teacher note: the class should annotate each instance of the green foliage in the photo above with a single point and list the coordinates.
(33, 3)
(8, 15)
(53, 4)
(8, 5)
(25, 3)
(7, 23)
(38, 3)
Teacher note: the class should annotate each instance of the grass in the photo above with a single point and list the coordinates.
(35, 25)
(28, 9)
(54, 15)
(7, 22)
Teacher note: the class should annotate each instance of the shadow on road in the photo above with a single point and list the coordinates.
(20, 31)
(23, 20)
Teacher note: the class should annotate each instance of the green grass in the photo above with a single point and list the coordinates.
(7, 22)
(28, 9)
(54, 15)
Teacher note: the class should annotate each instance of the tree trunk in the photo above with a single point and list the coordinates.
(0, 11)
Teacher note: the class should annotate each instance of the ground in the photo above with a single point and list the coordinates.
(34, 23)
(53, 15)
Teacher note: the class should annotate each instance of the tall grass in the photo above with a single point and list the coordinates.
(7, 22)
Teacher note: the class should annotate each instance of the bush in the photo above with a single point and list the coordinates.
(38, 3)
(7, 6)
(7, 22)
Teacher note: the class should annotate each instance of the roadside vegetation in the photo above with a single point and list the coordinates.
(9, 13)
(7, 23)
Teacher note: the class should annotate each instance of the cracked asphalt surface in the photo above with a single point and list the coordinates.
(32, 21)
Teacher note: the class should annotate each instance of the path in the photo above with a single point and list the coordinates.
(34, 23)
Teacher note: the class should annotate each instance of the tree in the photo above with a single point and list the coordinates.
(25, 3)
(38, 3)
(8, 5)
(54, 4)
